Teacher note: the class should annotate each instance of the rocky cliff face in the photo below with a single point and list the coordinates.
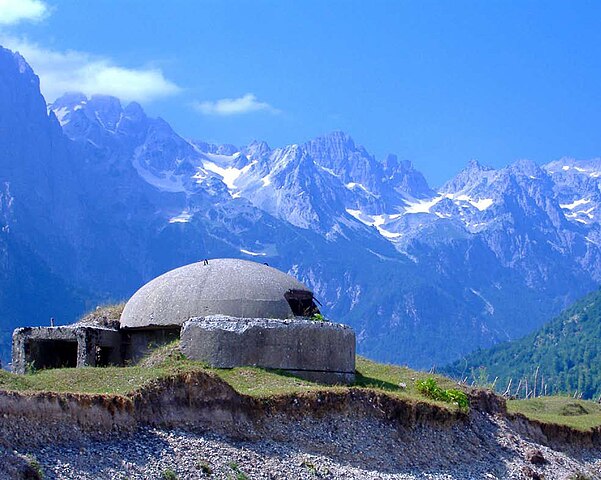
(36, 257)
(98, 195)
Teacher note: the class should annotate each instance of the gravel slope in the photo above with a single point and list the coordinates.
(488, 447)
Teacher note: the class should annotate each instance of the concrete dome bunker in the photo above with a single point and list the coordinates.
(231, 313)
(236, 288)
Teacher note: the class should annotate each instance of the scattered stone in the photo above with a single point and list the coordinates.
(536, 457)
(533, 474)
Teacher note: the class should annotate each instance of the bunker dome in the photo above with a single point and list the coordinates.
(227, 286)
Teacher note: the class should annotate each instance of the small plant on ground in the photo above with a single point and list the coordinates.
(580, 476)
(204, 467)
(318, 317)
(30, 368)
(35, 467)
(430, 389)
(169, 474)
(240, 475)
(480, 377)
(310, 466)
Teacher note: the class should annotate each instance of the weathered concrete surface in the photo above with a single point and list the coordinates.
(239, 288)
(319, 351)
(71, 345)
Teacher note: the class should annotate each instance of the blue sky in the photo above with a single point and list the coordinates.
(438, 83)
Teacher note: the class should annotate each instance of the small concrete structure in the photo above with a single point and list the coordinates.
(320, 351)
(68, 346)
(228, 312)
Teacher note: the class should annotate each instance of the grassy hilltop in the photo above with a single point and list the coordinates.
(400, 382)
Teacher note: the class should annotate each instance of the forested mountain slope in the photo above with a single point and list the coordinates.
(563, 356)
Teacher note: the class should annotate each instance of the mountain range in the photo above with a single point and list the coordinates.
(96, 198)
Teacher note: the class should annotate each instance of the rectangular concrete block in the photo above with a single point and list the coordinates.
(323, 350)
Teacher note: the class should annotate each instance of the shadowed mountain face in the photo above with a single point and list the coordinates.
(96, 198)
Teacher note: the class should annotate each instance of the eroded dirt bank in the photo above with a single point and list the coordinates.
(181, 422)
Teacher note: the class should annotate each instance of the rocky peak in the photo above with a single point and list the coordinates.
(391, 162)
(404, 178)
(20, 97)
(336, 138)
(473, 175)
(525, 167)
(14, 61)
(134, 110)
(70, 100)
(257, 150)
(79, 115)
(333, 148)
(107, 111)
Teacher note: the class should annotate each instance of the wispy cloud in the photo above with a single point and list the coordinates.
(15, 11)
(234, 106)
(74, 71)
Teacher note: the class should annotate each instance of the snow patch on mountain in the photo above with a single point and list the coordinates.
(353, 185)
(228, 174)
(61, 114)
(164, 181)
(490, 309)
(253, 254)
(574, 204)
(482, 204)
(183, 217)
(376, 221)
(422, 206)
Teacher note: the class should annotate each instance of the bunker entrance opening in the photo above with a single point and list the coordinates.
(301, 303)
(52, 354)
(103, 356)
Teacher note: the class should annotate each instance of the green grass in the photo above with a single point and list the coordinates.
(262, 383)
(560, 410)
(257, 382)
(109, 380)
(253, 381)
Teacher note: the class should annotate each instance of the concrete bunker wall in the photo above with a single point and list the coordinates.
(319, 351)
(84, 346)
(68, 346)
(138, 342)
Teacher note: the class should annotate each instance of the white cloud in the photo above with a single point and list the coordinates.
(234, 106)
(15, 11)
(73, 71)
